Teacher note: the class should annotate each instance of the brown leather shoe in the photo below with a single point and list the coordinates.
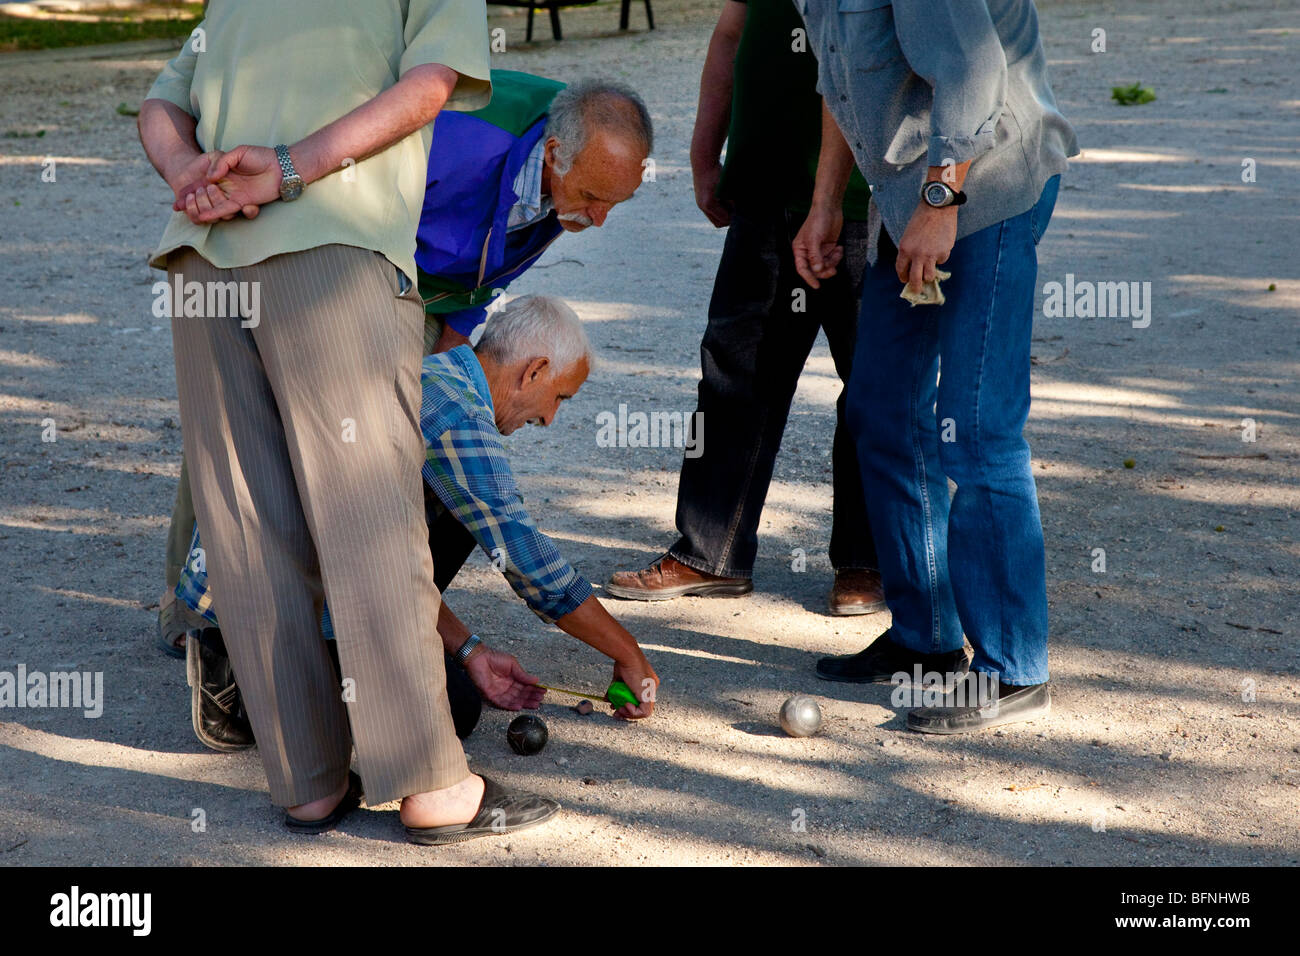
(856, 591)
(668, 578)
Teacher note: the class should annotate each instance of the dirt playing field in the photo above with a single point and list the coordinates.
(1176, 669)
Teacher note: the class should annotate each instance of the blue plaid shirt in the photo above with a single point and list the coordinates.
(466, 468)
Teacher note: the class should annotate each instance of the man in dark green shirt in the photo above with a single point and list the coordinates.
(758, 94)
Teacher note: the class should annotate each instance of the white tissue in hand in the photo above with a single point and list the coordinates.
(930, 293)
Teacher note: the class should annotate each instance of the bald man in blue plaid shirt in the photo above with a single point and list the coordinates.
(533, 355)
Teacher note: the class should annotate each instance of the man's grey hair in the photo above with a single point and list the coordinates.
(536, 326)
(588, 105)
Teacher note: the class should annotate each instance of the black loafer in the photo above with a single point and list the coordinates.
(351, 800)
(978, 702)
(216, 706)
(882, 659)
(502, 811)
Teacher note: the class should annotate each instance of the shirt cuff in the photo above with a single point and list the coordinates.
(566, 602)
(955, 150)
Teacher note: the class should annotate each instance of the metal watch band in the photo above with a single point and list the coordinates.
(467, 648)
(290, 180)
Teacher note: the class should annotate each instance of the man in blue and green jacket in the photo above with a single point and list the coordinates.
(505, 181)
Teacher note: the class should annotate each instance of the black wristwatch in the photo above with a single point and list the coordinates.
(939, 194)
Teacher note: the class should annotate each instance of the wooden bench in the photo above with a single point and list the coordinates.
(553, 7)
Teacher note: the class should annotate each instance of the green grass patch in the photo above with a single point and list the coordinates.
(170, 21)
(1132, 95)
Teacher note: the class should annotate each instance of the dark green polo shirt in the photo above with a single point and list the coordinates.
(775, 133)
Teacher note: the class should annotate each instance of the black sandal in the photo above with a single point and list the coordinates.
(502, 811)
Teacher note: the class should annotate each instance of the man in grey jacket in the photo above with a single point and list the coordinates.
(946, 108)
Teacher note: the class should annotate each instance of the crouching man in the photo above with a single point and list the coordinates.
(533, 355)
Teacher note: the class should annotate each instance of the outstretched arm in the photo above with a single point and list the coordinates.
(468, 471)
(595, 626)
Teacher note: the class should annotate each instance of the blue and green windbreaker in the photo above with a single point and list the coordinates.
(463, 252)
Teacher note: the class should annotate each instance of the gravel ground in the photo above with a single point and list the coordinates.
(1176, 670)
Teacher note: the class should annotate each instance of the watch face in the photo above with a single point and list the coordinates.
(291, 190)
(937, 194)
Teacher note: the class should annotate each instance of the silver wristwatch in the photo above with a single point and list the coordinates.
(467, 648)
(291, 185)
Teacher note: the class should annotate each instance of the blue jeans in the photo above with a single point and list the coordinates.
(975, 563)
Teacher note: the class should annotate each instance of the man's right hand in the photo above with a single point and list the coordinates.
(706, 194)
(191, 175)
(502, 680)
(816, 247)
(642, 680)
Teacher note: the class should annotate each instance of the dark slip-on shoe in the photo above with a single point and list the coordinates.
(351, 800)
(882, 659)
(502, 811)
(978, 702)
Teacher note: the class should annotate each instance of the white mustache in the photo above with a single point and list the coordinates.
(577, 217)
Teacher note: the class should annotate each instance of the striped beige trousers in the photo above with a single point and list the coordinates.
(304, 450)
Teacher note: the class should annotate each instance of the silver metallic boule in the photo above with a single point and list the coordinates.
(800, 716)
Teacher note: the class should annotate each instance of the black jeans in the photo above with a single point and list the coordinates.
(753, 351)
(451, 545)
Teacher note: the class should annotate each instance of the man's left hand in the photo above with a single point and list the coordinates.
(817, 252)
(240, 181)
(927, 242)
(502, 680)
